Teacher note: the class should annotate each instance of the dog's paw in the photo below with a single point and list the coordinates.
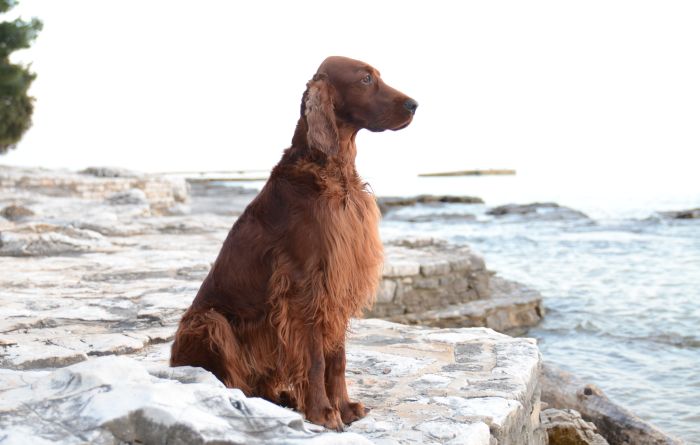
(352, 411)
(328, 417)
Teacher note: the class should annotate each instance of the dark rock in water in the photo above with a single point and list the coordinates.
(540, 210)
(387, 202)
(437, 217)
(682, 214)
(16, 212)
(109, 172)
(566, 427)
(426, 199)
(563, 390)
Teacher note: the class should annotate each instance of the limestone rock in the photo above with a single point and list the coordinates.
(96, 184)
(563, 390)
(511, 309)
(432, 283)
(119, 400)
(434, 386)
(47, 239)
(424, 274)
(566, 427)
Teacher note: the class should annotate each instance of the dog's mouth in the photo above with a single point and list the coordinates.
(404, 125)
(400, 126)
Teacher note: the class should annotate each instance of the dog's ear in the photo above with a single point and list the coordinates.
(317, 109)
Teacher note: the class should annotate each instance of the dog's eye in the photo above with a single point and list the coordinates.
(367, 79)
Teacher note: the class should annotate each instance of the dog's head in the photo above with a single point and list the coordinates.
(349, 93)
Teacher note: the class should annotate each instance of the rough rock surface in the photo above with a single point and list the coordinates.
(119, 276)
(95, 184)
(430, 283)
(509, 307)
(122, 400)
(425, 386)
(566, 427)
(619, 426)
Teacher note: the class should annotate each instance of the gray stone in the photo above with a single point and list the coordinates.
(16, 212)
(109, 172)
(48, 239)
(566, 427)
(616, 424)
(128, 197)
(386, 291)
(510, 311)
(119, 400)
(438, 387)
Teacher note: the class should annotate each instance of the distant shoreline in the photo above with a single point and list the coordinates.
(492, 171)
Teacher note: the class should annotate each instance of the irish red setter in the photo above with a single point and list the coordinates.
(305, 256)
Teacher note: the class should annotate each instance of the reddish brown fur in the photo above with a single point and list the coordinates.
(304, 257)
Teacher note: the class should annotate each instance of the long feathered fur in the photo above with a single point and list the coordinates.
(304, 257)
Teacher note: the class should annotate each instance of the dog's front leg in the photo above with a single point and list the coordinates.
(337, 390)
(317, 407)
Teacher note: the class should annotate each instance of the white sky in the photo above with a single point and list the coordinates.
(171, 85)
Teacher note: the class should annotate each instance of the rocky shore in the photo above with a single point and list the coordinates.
(99, 266)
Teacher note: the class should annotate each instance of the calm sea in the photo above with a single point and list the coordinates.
(622, 287)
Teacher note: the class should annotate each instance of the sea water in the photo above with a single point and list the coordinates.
(621, 287)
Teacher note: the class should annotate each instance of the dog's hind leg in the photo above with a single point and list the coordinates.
(205, 338)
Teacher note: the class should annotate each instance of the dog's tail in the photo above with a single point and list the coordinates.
(204, 338)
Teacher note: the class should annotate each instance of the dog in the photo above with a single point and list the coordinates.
(305, 256)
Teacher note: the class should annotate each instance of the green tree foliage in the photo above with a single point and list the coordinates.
(15, 105)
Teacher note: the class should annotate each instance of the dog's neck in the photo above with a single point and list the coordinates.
(347, 150)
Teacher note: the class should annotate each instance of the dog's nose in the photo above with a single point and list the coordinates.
(411, 105)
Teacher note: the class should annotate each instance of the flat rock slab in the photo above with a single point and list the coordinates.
(424, 386)
(435, 386)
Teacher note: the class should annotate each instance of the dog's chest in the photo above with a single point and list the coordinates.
(351, 250)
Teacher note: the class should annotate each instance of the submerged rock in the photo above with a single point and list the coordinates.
(538, 210)
(682, 214)
(386, 203)
(619, 426)
(435, 217)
